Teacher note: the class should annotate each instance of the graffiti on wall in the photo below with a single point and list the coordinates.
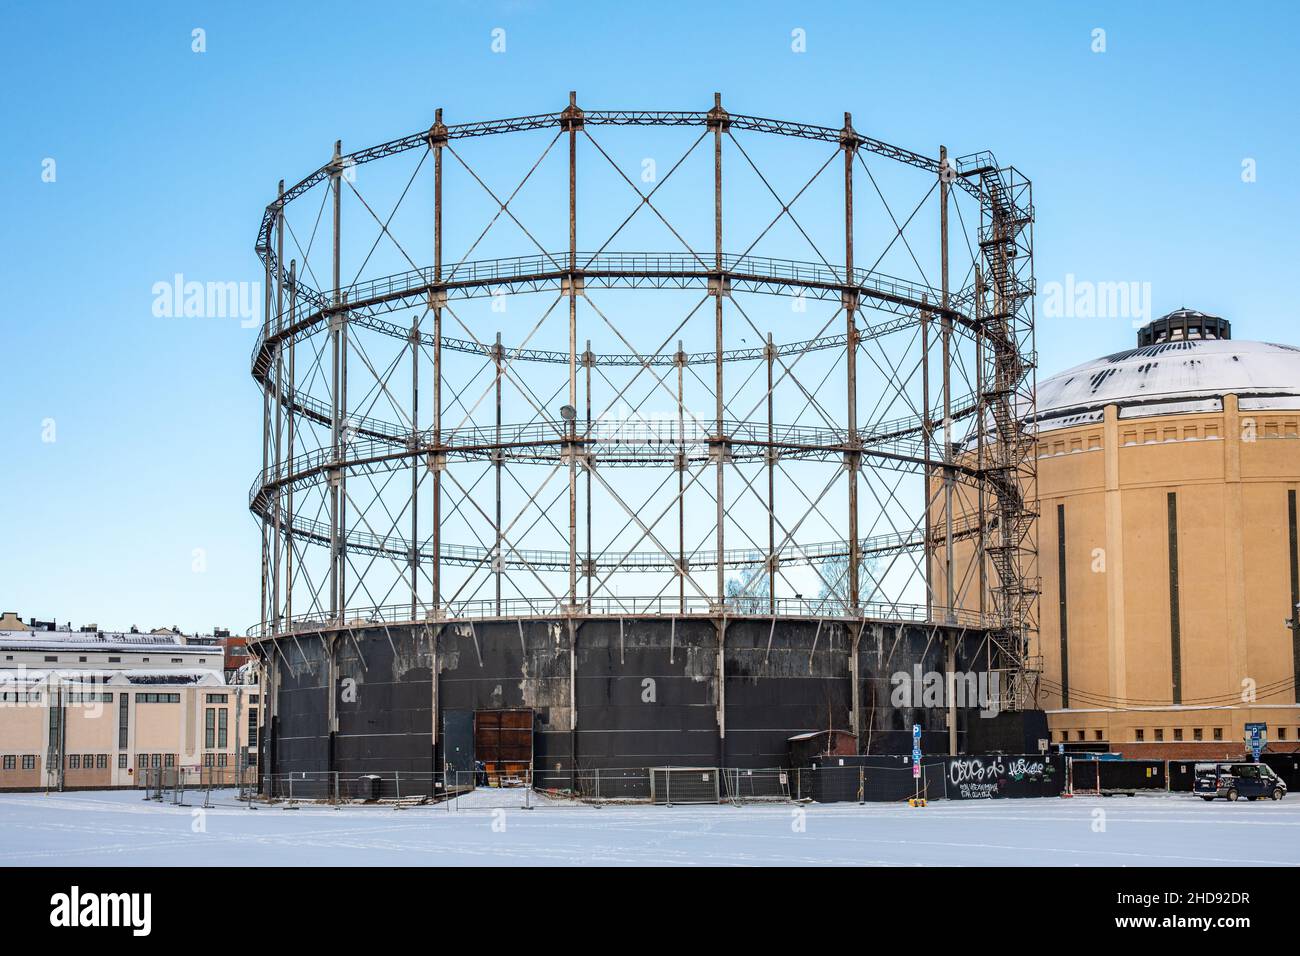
(980, 778)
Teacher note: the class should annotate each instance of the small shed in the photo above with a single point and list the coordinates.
(806, 748)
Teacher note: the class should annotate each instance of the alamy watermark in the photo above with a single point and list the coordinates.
(190, 299)
(1084, 299)
(935, 689)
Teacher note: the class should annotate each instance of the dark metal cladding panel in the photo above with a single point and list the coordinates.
(303, 739)
(458, 739)
(781, 681)
(886, 653)
(385, 702)
(647, 693)
(509, 665)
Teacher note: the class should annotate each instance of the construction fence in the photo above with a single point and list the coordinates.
(861, 779)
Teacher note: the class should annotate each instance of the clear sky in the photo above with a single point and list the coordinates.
(135, 511)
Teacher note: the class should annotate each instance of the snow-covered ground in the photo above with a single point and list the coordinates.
(119, 828)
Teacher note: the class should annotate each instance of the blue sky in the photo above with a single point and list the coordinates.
(166, 157)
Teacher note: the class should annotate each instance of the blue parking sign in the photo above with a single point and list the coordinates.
(1258, 738)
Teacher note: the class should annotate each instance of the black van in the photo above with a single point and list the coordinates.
(1233, 780)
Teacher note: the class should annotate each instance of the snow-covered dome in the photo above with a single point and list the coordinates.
(1177, 370)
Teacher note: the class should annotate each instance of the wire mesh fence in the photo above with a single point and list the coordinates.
(180, 785)
(386, 786)
(614, 785)
(499, 787)
(684, 785)
(866, 784)
(477, 790)
(756, 786)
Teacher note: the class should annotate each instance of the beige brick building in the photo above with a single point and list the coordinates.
(1167, 477)
(1167, 544)
(90, 708)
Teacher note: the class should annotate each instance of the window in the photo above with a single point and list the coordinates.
(1080, 735)
(1139, 735)
(144, 660)
(1198, 734)
(51, 658)
(157, 698)
(123, 721)
(88, 761)
(252, 729)
(81, 697)
(115, 660)
(1281, 733)
(1160, 733)
(82, 659)
(1178, 733)
(141, 761)
(216, 698)
(1218, 733)
(10, 762)
(252, 698)
(74, 761)
(101, 761)
(210, 728)
(178, 660)
(207, 760)
(29, 761)
(1096, 735)
(169, 760)
(155, 760)
(221, 760)
(121, 761)
(222, 738)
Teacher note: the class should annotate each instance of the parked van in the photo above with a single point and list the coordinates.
(1233, 780)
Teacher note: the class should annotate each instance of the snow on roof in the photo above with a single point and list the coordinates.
(111, 679)
(99, 641)
(1174, 371)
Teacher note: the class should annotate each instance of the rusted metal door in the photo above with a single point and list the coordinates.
(503, 740)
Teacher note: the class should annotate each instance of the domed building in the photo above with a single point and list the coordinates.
(1167, 542)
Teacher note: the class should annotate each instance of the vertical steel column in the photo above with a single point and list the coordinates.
(290, 445)
(571, 121)
(680, 360)
(719, 122)
(589, 569)
(437, 140)
(345, 440)
(981, 539)
(946, 334)
(498, 559)
(336, 417)
(769, 353)
(266, 439)
(849, 142)
(276, 552)
(415, 462)
(928, 547)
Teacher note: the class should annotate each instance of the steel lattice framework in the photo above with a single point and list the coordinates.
(479, 436)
